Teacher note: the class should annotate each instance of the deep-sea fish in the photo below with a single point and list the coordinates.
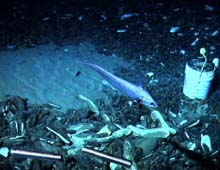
(133, 91)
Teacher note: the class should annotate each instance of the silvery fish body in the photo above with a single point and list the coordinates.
(133, 91)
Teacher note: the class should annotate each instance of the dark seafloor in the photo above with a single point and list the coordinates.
(160, 36)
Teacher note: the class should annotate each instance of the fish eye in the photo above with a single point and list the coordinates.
(152, 104)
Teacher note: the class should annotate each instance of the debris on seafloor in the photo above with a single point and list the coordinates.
(128, 15)
(121, 30)
(206, 143)
(105, 141)
(93, 107)
(6, 152)
(174, 29)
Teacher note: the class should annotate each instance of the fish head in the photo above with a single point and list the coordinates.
(152, 104)
(148, 101)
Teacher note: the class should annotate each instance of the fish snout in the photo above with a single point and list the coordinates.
(154, 105)
(151, 104)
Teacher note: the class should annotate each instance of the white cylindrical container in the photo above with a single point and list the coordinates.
(197, 82)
